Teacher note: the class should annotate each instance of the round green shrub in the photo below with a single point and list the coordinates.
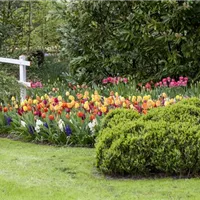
(194, 101)
(174, 113)
(120, 115)
(145, 148)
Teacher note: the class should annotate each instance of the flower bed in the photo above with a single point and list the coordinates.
(71, 119)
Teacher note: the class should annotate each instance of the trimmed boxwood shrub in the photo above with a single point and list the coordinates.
(194, 101)
(120, 115)
(174, 113)
(145, 148)
(166, 140)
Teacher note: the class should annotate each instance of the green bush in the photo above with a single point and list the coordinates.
(116, 116)
(145, 148)
(165, 141)
(194, 101)
(174, 113)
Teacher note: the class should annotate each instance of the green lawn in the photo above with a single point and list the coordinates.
(36, 172)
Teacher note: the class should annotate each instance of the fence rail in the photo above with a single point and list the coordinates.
(15, 61)
(22, 62)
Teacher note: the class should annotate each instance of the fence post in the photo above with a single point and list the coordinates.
(22, 78)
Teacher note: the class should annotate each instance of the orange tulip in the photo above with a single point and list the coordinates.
(51, 117)
(5, 109)
(43, 115)
(45, 109)
(67, 116)
(29, 108)
(92, 117)
(145, 106)
(80, 114)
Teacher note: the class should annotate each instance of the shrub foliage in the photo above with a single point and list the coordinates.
(159, 143)
(146, 39)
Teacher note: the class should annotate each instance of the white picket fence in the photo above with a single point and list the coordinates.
(22, 62)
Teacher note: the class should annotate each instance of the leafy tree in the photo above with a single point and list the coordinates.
(147, 40)
(26, 26)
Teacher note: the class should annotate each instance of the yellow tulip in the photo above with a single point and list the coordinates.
(103, 109)
(25, 108)
(164, 95)
(117, 102)
(133, 99)
(13, 98)
(30, 101)
(145, 98)
(122, 99)
(98, 104)
(139, 98)
(86, 106)
(76, 105)
(22, 104)
(35, 101)
(124, 105)
(166, 103)
(149, 103)
(67, 93)
(46, 96)
(59, 98)
(71, 98)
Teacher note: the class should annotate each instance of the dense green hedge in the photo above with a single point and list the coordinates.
(165, 141)
(116, 116)
(194, 101)
(175, 113)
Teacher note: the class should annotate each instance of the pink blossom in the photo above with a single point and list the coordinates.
(181, 78)
(148, 86)
(125, 80)
(104, 81)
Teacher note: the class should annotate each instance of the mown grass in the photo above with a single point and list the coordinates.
(36, 172)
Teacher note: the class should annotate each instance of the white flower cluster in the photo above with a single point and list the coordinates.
(38, 124)
(92, 125)
(61, 125)
(23, 123)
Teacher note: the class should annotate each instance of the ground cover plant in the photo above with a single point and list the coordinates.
(38, 172)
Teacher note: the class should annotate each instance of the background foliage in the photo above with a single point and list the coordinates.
(147, 40)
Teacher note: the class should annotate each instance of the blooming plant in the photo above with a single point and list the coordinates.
(71, 119)
(114, 80)
(37, 84)
(166, 83)
(170, 82)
